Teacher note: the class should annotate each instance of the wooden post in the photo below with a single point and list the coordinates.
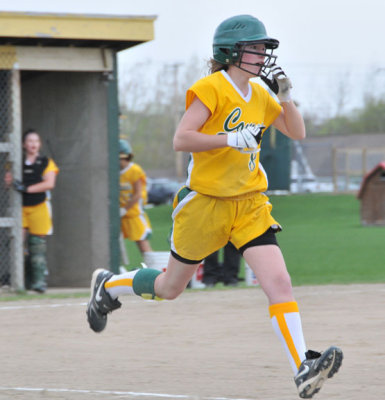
(364, 161)
(334, 169)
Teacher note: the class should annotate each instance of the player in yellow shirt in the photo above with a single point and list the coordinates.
(225, 119)
(39, 177)
(134, 222)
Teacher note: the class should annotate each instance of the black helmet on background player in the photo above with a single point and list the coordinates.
(233, 34)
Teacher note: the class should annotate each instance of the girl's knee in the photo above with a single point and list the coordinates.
(171, 294)
(280, 287)
(284, 283)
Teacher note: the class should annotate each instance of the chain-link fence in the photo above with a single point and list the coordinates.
(11, 244)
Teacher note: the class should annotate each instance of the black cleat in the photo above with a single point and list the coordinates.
(314, 371)
(100, 303)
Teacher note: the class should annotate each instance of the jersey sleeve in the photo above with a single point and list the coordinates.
(51, 166)
(138, 174)
(206, 93)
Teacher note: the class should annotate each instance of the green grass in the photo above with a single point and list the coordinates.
(322, 240)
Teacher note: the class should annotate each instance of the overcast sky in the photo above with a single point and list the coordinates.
(323, 43)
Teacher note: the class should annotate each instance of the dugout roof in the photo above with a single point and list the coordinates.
(74, 30)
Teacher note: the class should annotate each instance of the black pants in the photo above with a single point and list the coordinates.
(227, 272)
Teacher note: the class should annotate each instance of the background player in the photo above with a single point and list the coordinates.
(226, 116)
(39, 176)
(226, 271)
(134, 222)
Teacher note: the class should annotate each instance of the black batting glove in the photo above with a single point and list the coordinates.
(19, 186)
(278, 82)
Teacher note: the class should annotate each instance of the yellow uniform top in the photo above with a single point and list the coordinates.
(51, 167)
(128, 176)
(226, 172)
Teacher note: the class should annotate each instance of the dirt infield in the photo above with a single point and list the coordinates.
(204, 345)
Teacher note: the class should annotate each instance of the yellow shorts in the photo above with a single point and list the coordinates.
(38, 219)
(136, 228)
(204, 224)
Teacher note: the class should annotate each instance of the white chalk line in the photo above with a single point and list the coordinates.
(54, 305)
(115, 393)
(29, 306)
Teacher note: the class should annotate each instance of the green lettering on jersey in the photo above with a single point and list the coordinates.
(252, 165)
(230, 124)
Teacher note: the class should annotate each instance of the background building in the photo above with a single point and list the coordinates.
(58, 75)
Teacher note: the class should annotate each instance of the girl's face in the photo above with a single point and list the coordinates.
(32, 143)
(123, 163)
(253, 62)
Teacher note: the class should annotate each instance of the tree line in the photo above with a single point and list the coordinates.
(152, 102)
(368, 119)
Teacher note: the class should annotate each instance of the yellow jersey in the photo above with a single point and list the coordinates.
(128, 176)
(226, 172)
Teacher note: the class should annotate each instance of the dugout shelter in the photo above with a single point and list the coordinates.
(58, 75)
(275, 159)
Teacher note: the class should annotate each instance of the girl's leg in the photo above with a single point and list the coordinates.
(310, 368)
(174, 281)
(270, 270)
(143, 246)
(27, 261)
(148, 283)
(269, 267)
(144, 282)
(37, 249)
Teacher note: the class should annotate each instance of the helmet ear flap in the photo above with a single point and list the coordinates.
(226, 54)
(229, 54)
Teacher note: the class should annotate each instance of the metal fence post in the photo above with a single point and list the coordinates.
(11, 237)
(17, 274)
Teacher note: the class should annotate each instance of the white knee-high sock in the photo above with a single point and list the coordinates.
(287, 325)
(120, 284)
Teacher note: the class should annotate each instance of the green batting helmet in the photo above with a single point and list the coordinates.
(235, 32)
(124, 148)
